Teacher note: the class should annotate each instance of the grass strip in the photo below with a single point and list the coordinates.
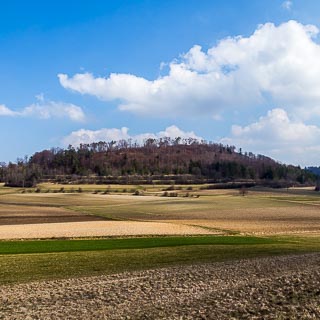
(33, 267)
(51, 246)
(49, 260)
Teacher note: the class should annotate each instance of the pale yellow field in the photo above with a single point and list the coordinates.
(223, 211)
(98, 229)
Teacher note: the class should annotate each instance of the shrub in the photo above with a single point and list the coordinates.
(138, 193)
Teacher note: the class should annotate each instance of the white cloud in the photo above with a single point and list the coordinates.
(44, 109)
(88, 136)
(275, 65)
(4, 111)
(280, 137)
(287, 5)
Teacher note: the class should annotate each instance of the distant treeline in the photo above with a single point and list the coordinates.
(315, 170)
(155, 161)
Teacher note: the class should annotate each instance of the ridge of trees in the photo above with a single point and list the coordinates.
(154, 161)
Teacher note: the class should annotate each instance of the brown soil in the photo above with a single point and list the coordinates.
(266, 288)
(98, 229)
(17, 215)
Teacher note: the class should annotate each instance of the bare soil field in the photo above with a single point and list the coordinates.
(260, 221)
(266, 288)
(19, 215)
(98, 229)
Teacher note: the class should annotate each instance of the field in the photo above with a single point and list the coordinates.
(260, 212)
(63, 232)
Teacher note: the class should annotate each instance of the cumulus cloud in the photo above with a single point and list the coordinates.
(4, 111)
(280, 137)
(276, 65)
(287, 5)
(83, 136)
(45, 109)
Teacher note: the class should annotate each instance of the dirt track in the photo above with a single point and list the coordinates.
(267, 288)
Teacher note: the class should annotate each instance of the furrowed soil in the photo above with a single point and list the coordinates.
(286, 287)
(23, 214)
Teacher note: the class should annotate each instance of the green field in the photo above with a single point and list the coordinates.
(50, 246)
(52, 259)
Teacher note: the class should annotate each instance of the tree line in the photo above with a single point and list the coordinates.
(187, 160)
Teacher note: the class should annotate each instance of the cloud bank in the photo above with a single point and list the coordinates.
(44, 109)
(276, 65)
(280, 137)
(83, 136)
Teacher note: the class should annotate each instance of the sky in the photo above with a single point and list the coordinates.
(237, 72)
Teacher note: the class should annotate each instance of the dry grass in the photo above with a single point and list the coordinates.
(261, 212)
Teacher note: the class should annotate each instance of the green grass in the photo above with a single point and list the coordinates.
(50, 246)
(41, 260)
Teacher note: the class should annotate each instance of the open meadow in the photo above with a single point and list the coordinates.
(54, 236)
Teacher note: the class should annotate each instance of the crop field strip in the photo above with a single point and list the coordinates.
(100, 228)
(49, 246)
(53, 259)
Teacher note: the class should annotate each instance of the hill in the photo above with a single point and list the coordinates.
(156, 161)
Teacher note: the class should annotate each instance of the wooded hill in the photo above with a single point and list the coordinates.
(156, 161)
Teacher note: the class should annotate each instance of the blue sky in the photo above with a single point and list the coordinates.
(237, 72)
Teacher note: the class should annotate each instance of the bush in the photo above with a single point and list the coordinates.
(138, 193)
(243, 191)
